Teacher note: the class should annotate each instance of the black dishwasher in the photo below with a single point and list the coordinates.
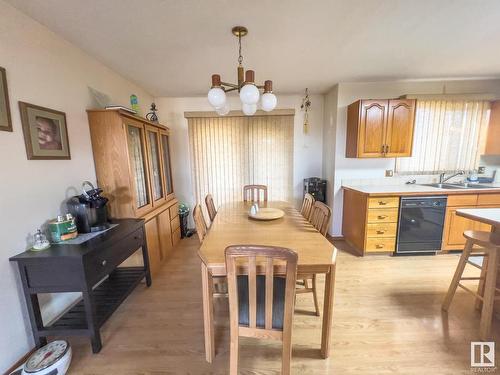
(421, 222)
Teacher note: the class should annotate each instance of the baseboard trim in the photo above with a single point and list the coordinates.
(19, 362)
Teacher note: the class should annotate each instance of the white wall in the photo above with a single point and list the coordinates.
(46, 70)
(347, 168)
(307, 147)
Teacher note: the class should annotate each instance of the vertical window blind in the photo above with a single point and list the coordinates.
(449, 135)
(230, 152)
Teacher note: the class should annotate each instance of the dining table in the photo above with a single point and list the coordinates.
(233, 226)
(490, 216)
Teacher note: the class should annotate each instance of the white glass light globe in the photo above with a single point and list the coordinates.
(223, 111)
(268, 101)
(249, 109)
(249, 94)
(217, 97)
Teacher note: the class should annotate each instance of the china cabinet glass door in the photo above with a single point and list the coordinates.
(135, 137)
(167, 171)
(157, 183)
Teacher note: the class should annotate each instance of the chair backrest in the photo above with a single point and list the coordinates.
(252, 193)
(320, 217)
(199, 222)
(254, 261)
(307, 205)
(209, 201)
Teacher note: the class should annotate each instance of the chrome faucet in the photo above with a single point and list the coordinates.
(443, 179)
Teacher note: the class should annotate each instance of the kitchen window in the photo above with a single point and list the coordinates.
(449, 135)
(230, 152)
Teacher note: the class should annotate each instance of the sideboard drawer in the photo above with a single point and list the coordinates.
(383, 202)
(383, 215)
(104, 262)
(380, 244)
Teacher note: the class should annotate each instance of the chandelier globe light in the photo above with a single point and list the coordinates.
(248, 91)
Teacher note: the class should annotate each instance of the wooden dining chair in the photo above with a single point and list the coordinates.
(209, 201)
(261, 297)
(307, 205)
(199, 223)
(320, 218)
(252, 193)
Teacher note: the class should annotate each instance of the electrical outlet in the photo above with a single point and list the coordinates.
(389, 173)
(481, 170)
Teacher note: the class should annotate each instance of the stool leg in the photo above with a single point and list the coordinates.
(458, 275)
(480, 287)
(489, 295)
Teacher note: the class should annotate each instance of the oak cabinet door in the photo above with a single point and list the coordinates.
(400, 123)
(373, 119)
(455, 226)
(154, 247)
(166, 163)
(165, 232)
(155, 168)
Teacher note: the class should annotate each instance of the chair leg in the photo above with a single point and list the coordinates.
(489, 296)
(234, 353)
(480, 287)
(306, 284)
(315, 295)
(286, 356)
(458, 274)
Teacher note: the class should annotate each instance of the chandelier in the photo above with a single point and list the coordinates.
(248, 90)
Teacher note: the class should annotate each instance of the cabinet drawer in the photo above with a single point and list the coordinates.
(104, 262)
(383, 215)
(488, 199)
(380, 244)
(383, 202)
(381, 230)
(174, 210)
(462, 200)
(175, 223)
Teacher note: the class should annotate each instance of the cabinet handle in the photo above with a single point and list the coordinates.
(103, 263)
(382, 203)
(383, 149)
(379, 246)
(381, 217)
(381, 231)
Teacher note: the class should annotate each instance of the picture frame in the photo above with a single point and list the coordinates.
(45, 133)
(5, 115)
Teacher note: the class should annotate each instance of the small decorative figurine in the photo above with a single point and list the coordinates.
(151, 116)
(41, 242)
(306, 104)
(134, 103)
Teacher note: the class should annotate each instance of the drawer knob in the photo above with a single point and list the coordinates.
(103, 263)
(380, 231)
(382, 216)
(379, 246)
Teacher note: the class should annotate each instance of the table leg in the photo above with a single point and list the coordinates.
(90, 314)
(208, 312)
(328, 312)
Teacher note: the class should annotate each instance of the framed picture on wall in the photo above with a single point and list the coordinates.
(5, 119)
(45, 132)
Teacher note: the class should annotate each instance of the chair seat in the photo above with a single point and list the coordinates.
(484, 239)
(279, 284)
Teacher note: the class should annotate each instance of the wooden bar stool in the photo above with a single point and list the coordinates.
(490, 244)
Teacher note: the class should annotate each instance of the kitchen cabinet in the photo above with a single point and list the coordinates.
(492, 142)
(380, 128)
(132, 161)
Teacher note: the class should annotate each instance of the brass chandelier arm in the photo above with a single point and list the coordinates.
(229, 85)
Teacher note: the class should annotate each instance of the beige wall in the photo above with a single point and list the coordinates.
(46, 70)
(347, 93)
(307, 147)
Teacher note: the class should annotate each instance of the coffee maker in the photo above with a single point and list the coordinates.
(89, 209)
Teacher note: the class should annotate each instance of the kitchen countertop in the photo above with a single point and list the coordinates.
(415, 189)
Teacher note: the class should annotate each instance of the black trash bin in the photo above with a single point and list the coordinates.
(183, 217)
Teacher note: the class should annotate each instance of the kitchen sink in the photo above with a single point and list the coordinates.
(457, 186)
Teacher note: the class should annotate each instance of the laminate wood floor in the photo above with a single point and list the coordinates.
(387, 320)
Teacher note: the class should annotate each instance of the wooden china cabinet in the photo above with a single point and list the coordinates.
(132, 161)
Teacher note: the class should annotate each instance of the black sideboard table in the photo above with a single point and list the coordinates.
(82, 268)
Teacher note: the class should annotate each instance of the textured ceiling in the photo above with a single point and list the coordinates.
(172, 47)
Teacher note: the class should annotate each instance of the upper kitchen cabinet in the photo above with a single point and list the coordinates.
(492, 144)
(380, 128)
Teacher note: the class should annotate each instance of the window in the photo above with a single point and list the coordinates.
(230, 152)
(449, 135)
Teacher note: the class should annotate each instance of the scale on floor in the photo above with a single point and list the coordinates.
(51, 359)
